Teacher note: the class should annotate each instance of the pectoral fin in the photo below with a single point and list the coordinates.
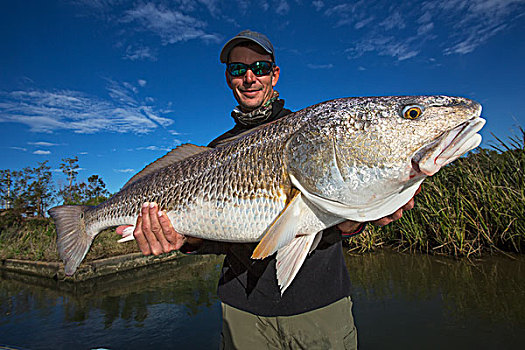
(284, 228)
(293, 234)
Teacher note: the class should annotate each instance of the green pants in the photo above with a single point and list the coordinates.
(331, 327)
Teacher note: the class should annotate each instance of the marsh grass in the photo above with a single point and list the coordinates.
(473, 205)
(35, 239)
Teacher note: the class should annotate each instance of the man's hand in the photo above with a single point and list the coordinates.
(352, 226)
(154, 232)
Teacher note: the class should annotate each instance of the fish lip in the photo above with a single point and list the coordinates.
(415, 166)
(425, 160)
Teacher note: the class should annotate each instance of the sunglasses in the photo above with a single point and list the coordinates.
(259, 68)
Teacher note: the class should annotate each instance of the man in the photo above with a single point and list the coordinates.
(315, 311)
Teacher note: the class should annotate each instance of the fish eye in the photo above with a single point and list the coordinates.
(412, 112)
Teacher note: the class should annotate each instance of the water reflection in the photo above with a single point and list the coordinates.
(400, 301)
(409, 300)
(107, 307)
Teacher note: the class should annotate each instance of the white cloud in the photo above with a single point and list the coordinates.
(148, 111)
(43, 144)
(480, 21)
(171, 26)
(362, 23)
(154, 148)
(19, 148)
(142, 82)
(384, 46)
(124, 170)
(394, 20)
(211, 5)
(318, 5)
(244, 5)
(41, 152)
(172, 21)
(48, 111)
(320, 66)
(282, 7)
(139, 53)
(425, 28)
(405, 29)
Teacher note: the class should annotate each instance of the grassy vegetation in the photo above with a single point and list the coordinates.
(474, 205)
(35, 239)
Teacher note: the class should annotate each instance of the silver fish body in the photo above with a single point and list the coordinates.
(282, 183)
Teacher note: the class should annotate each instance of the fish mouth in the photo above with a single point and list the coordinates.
(448, 147)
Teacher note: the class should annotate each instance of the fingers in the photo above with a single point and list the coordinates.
(147, 229)
(159, 231)
(409, 205)
(154, 232)
(383, 221)
(349, 226)
(398, 214)
(141, 240)
(174, 239)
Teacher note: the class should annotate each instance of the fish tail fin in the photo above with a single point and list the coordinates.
(73, 241)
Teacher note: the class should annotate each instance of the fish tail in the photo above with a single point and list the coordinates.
(73, 241)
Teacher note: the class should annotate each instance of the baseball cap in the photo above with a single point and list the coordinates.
(246, 35)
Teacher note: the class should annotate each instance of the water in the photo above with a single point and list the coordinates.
(400, 302)
(424, 302)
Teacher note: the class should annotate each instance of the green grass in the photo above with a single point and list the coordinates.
(35, 239)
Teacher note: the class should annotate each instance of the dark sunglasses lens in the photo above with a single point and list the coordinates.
(237, 69)
(261, 68)
(258, 68)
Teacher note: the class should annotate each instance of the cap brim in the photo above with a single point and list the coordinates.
(236, 41)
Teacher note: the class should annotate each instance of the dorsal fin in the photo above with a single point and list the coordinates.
(175, 155)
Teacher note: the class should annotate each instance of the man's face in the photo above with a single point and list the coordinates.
(249, 90)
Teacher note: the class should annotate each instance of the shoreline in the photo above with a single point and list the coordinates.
(105, 267)
(87, 270)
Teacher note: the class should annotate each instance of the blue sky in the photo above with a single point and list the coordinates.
(119, 83)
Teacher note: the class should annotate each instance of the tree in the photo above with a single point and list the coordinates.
(5, 188)
(70, 167)
(14, 189)
(40, 191)
(28, 191)
(20, 191)
(96, 190)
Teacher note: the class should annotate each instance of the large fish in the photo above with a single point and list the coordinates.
(282, 183)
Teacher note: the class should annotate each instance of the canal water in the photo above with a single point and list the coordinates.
(401, 301)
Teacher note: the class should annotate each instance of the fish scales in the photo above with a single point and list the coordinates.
(246, 182)
(281, 184)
